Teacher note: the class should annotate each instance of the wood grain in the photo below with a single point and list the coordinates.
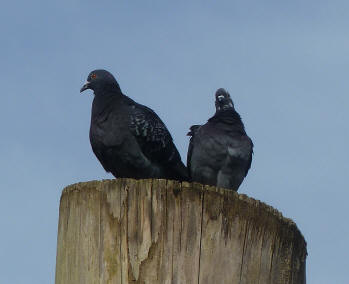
(157, 231)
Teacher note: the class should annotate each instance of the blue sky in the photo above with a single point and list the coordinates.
(285, 65)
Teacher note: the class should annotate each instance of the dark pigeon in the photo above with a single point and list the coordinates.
(220, 152)
(129, 139)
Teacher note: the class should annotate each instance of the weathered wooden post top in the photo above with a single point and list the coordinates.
(158, 231)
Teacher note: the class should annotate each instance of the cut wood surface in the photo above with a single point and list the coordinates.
(158, 231)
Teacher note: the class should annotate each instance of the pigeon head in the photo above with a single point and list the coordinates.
(99, 80)
(223, 100)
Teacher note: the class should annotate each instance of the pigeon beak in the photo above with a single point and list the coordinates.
(85, 86)
(220, 98)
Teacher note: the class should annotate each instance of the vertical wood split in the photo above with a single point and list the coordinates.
(202, 214)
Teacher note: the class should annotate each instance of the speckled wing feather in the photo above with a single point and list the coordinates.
(152, 135)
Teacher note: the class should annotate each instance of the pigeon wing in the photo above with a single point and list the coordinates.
(192, 132)
(249, 158)
(152, 135)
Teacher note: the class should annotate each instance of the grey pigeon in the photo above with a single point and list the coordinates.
(129, 139)
(220, 152)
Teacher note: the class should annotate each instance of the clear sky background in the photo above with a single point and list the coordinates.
(285, 64)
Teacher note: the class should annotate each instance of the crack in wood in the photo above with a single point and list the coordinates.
(243, 250)
(202, 217)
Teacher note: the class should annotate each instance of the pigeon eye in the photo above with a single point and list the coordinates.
(93, 76)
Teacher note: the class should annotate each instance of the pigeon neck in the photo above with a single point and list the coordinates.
(224, 107)
(106, 90)
(225, 112)
(103, 101)
(228, 117)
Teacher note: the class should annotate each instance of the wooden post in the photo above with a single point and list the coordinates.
(158, 231)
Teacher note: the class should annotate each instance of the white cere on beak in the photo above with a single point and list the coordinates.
(220, 97)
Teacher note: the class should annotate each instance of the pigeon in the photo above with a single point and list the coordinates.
(220, 152)
(129, 139)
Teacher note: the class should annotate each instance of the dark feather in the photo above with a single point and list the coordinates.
(220, 152)
(129, 139)
(192, 131)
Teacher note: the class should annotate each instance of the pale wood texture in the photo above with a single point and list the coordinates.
(158, 231)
